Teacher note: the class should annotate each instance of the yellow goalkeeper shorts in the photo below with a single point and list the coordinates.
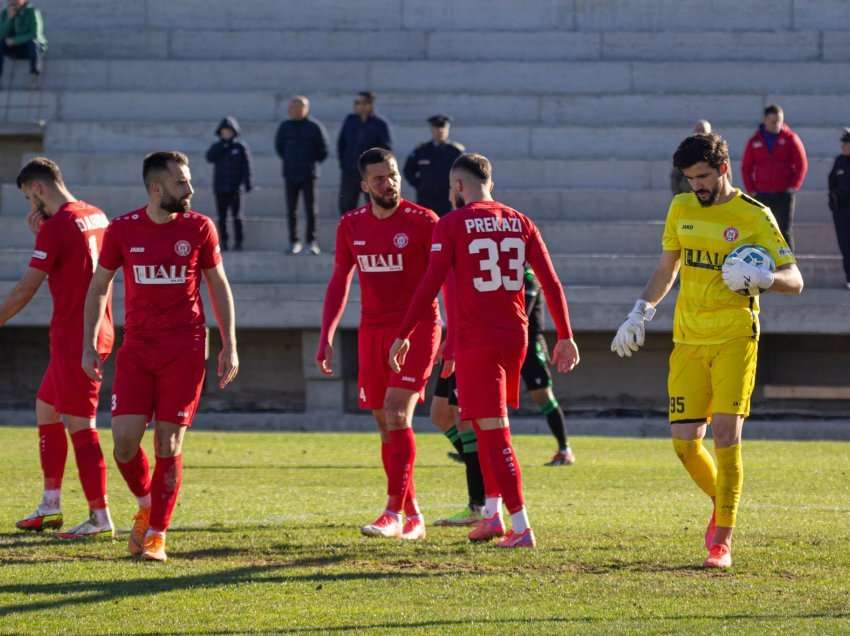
(706, 379)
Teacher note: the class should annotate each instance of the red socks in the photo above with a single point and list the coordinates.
(91, 466)
(167, 477)
(491, 484)
(499, 454)
(411, 506)
(52, 451)
(136, 473)
(398, 455)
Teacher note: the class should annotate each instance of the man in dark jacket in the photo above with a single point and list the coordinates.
(22, 34)
(839, 201)
(774, 167)
(231, 170)
(427, 167)
(301, 143)
(361, 130)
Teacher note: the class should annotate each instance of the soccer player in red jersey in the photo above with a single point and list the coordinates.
(164, 249)
(485, 245)
(388, 241)
(69, 234)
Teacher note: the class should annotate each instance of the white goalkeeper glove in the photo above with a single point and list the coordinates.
(631, 334)
(743, 278)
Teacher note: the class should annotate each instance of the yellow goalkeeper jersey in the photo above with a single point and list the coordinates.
(708, 312)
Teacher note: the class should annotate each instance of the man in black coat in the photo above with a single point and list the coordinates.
(839, 201)
(363, 129)
(301, 143)
(231, 161)
(427, 167)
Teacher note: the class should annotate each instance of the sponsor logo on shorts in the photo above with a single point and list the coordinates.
(182, 413)
(401, 240)
(731, 234)
(182, 248)
(380, 262)
(137, 250)
(407, 378)
(159, 274)
(436, 247)
(39, 255)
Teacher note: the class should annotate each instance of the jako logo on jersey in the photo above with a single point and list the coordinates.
(39, 255)
(400, 240)
(731, 234)
(359, 243)
(380, 262)
(159, 274)
(91, 222)
(182, 248)
(493, 224)
(137, 250)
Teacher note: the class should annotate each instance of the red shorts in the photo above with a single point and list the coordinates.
(488, 377)
(374, 375)
(67, 388)
(162, 383)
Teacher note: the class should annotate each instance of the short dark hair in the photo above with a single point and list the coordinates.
(708, 147)
(773, 109)
(475, 164)
(369, 96)
(157, 162)
(40, 169)
(373, 156)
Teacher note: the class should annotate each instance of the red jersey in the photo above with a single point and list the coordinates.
(67, 248)
(391, 256)
(162, 272)
(484, 247)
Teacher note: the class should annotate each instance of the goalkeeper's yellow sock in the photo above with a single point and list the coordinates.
(698, 462)
(730, 481)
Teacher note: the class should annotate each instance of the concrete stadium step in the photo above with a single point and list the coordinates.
(467, 109)
(539, 141)
(574, 269)
(514, 77)
(501, 15)
(562, 236)
(328, 44)
(539, 203)
(592, 308)
(124, 169)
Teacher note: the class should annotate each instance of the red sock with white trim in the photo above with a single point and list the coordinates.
(91, 466)
(505, 466)
(165, 486)
(53, 453)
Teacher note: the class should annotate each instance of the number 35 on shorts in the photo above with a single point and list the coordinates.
(677, 404)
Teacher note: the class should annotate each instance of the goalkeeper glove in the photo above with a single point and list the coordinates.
(743, 278)
(631, 334)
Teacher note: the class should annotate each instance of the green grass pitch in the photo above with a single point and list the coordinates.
(265, 540)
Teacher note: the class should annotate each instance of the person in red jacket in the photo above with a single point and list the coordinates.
(774, 167)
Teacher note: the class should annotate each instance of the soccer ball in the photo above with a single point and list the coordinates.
(754, 255)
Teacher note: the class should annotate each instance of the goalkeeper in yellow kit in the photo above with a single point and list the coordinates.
(715, 329)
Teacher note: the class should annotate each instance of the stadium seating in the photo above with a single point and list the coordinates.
(580, 105)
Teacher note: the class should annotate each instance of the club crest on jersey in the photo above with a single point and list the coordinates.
(182, 248)
(380, 262)
(731, 234)
(159, 274)
(400, 240)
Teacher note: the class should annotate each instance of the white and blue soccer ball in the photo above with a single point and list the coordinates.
(754, 255)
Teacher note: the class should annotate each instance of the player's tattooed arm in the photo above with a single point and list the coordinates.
(96, 299)
(224, 309)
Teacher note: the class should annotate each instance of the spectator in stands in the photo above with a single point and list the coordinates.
(301, 143)
(839, 201)
(231, 161)
(361, 130)
(22, 34)
(678, 183)
(427, 167)
(774, 167)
